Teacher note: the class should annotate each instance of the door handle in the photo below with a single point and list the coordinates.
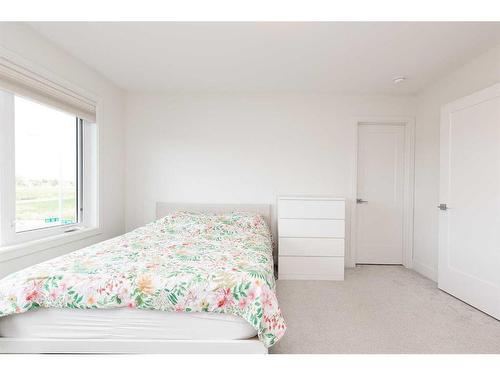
(359, 201)
(442, 206)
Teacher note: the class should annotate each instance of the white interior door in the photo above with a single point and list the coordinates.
(469, 229)
(380, 189)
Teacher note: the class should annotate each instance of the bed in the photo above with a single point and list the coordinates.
(199, 279)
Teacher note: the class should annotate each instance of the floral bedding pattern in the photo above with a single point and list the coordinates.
(185, 262)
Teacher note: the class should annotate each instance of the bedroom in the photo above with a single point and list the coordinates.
(265, 186)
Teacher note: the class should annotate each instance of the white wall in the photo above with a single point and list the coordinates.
(479, 73)
(241, 148)
(23, 41)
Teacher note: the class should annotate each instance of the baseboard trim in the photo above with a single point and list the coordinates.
(425, 270)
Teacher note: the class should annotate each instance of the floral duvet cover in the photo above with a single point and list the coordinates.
(184, 262)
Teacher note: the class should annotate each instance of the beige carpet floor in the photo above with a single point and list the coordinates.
(381, 309)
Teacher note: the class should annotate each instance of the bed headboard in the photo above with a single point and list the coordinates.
(166, 208)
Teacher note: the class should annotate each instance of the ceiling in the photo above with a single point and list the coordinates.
(349, 57)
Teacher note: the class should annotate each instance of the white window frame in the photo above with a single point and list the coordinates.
(12, 244)
(86, 191)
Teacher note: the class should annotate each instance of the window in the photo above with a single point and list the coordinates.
(48, 157)
(48, 166)
(48, 179)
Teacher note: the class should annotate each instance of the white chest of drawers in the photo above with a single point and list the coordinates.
(311, 232)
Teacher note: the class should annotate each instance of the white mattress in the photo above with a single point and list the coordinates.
(124, 323)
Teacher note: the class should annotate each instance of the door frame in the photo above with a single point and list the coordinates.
(409, 184)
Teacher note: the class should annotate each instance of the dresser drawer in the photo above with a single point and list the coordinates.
(311, 228)
(311, 246)
(311, 268)
(311, 209)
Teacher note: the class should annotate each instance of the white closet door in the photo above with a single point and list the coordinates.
(379, 225)
(469, 229)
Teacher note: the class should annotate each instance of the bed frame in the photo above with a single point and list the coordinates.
(109, 346)
(115, 346)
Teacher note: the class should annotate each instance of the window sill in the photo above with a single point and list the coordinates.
(30, 247)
